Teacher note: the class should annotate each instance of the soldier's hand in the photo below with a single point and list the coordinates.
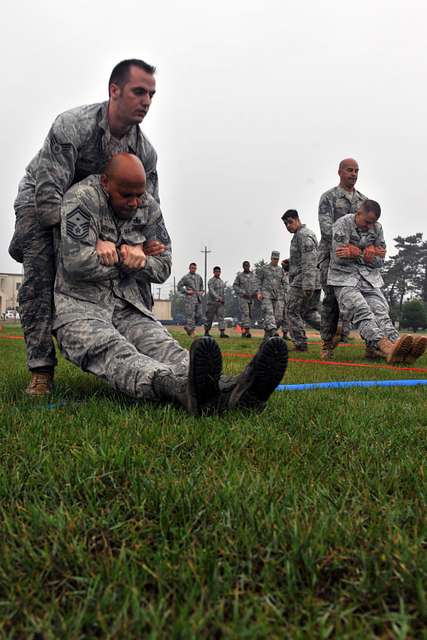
(307, 293)
(347, 251)
(133, 256)
(153, 248)
(373, 252)
(369, 253)
(106, 252)
(189, 291)
(259, 297)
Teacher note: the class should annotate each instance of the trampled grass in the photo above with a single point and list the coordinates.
(125, 520)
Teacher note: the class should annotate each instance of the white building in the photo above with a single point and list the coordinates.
(9, 287)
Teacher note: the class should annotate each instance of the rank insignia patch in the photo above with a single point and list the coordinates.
(78, 224)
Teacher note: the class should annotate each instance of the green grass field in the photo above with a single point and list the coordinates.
(125, 520)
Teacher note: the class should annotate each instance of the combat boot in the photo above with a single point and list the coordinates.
(199, 392)
(223, 335)
(419, 346)
(372, 354)
(395, 352)
(326, 351)
(41, 383)
(301, 347)
(252, 388)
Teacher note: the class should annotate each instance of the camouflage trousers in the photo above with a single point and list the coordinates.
(245, 311)
(366, 307)
(193, 312)
(272, 311)
(301, 310)
(215, 310)
(330, 313)
(127, 351)
(285, 321)
(34, 246)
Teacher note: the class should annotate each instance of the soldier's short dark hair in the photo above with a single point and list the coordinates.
(371, 206)
(290, 213)
(246, 262)
(120, 73)
(217, 269)
(192, 264)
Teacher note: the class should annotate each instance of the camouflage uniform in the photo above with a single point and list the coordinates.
(285, 321)
(101, 323)
(78, 144)
(271, 283)
(303, 276)
(215, 303)
(334, 204)
(357, 284)
(193, 301)
(245, 287)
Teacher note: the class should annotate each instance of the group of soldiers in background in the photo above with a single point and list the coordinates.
(346, 265)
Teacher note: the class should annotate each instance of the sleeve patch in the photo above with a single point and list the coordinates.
(59, 147)
(338, 237)
(308, 247)
(78, 222)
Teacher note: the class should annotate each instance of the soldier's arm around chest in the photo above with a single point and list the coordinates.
(80, 230)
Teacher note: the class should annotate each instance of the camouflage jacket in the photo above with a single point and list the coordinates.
(216, 288)
(78, 144)
(245, 285)
(271, 282)
(334, 204)
(84, 288)
(303, 271)
(344, 272)
(192, 281)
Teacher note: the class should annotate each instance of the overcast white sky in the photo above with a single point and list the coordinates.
(256, 104)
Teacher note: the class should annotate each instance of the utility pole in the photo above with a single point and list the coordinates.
(174, 285)
(206, 251)
(158, 292)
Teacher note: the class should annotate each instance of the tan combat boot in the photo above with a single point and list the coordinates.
(419, 346)
(395, 352)
(326, 351)
(41, 383)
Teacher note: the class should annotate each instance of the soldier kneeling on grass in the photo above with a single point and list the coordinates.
(101, 323)
(358, 251)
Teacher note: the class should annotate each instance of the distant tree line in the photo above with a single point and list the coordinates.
(405, 277)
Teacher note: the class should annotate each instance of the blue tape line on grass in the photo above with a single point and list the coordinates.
(351, 383)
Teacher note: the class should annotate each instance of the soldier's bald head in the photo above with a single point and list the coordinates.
(123, 181)
(348, 171)
(125, 167)
(345, 162)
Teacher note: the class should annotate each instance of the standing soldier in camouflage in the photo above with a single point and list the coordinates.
(103, 326)
(271, 291)
(335, 203)
(78, 144)
(215, 303)
(191, 286)
(358, 251)
(245, 287)
(304, 280)
(285, 323)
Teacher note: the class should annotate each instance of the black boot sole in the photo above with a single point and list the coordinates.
(263, 375)
(204, 375)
